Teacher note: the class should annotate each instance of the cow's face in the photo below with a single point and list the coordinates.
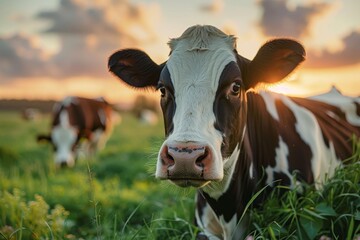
(201, 102)
(64, 140)
(203, 99)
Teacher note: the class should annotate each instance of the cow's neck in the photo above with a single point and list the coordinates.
(261, 130)
(229, 196)
(219, 195)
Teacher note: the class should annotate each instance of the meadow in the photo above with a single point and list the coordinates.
(115, 195)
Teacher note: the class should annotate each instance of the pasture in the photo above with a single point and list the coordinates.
(112, 197)
(115, 196)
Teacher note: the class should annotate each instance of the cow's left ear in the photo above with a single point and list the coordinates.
(274, 61)
(135, 68)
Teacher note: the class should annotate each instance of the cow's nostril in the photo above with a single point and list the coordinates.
(166, 158)
(170, 159)
(199, 161)
(169, 156)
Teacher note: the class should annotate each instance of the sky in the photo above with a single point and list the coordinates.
(53, 48)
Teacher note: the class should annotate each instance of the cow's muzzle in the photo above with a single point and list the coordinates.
(186, 164)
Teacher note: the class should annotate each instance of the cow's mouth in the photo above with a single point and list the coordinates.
(197, 183)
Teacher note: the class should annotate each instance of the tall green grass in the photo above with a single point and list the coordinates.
(332, 211)
(111, 197)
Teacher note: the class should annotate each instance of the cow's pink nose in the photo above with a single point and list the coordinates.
(185, 161)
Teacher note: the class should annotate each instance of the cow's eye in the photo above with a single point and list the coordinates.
(162, 90)
(235, 88)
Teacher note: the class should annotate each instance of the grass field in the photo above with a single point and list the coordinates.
(115, 196)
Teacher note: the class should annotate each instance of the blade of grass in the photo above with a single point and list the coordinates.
(131, 215)
(350, 230)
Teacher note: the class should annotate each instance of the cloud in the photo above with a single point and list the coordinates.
(19, 57)
(72, 18)
(279, 20)
(88, 34)
(348, 55)
(215, 6)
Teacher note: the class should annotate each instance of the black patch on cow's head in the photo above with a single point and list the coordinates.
(43, 138)
(230, 108)
(168, 106)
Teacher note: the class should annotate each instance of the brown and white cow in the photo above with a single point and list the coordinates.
(78, 121)
(229, 141)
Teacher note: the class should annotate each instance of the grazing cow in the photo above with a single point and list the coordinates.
(78, 121)
(229, 141)
(30, 114)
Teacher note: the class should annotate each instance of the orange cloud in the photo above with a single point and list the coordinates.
(348, 55)
(88, 34)
(20, 58)
(279, 20)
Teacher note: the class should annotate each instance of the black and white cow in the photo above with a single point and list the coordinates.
(78, 121)
(229, 141)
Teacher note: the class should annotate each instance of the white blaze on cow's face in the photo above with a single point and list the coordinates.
(64, 137)
(191, 155)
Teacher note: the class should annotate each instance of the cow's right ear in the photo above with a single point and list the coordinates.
(135, 68)
(274, 61)
(43, 138)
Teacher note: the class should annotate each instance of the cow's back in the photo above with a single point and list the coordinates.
(84, 114)
(338, 117)
(96, 113)
(308, 136)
